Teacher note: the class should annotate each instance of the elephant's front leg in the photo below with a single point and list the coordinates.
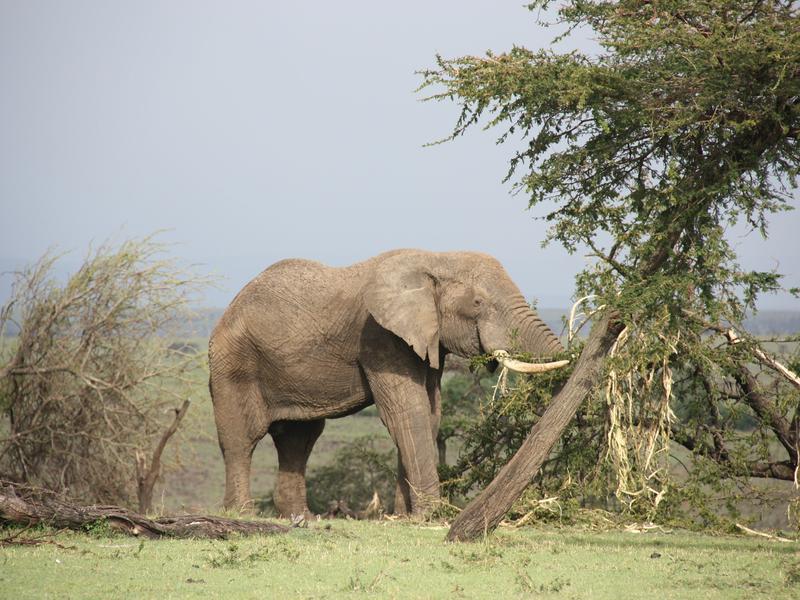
(408, 421)
(402, 496)
(397, 379)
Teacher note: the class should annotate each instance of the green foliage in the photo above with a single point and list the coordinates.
(100, 528)
(656, 480)
(684, 123)
(501, 424)
(354, 473)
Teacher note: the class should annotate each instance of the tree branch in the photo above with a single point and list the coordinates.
(766, 410)
(147, 477)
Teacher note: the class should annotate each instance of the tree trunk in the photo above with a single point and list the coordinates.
(25, 505)
(485, 512)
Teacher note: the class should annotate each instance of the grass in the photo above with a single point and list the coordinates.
(342, 559)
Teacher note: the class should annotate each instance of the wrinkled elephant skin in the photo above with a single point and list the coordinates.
(304, 342)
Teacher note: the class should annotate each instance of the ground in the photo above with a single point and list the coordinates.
(333, 559)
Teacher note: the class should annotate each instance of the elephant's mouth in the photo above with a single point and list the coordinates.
(492, 365)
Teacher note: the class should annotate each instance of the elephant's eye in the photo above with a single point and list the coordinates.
(478, 301)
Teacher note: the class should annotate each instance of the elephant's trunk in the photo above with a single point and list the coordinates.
(533, 336)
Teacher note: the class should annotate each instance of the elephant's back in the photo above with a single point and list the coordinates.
(294, 302)
(297, 281)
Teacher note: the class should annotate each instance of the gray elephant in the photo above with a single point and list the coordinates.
(304, 342)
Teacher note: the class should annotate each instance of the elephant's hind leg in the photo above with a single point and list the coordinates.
(242, 420)
(294, 441)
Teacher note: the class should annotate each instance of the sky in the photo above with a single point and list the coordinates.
(248, 132)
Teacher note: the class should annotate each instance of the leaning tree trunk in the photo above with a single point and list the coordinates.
(485, 512)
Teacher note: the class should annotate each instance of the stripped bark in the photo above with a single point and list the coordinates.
(27, 506)
(766, 360)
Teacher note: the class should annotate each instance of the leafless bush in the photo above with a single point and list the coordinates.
(84, 384)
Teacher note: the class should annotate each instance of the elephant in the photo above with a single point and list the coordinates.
(304, 342)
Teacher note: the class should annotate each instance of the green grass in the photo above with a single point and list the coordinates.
(338, 559)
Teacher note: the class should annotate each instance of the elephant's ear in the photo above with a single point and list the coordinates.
(401, 300)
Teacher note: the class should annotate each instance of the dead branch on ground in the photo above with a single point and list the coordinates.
(29, 506)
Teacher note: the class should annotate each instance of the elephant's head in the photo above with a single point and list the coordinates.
(463, 301)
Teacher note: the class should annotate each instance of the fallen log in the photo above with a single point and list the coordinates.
(27, 505)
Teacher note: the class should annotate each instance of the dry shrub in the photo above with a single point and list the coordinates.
(84, 384)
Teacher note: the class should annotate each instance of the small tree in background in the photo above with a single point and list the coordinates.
(356, 472)
(685, 123)
(84, 385)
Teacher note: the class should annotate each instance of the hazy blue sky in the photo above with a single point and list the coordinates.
(255, 131)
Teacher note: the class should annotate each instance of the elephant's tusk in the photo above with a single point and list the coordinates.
(526, 367)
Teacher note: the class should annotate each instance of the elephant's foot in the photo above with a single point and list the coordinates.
(415, 504)
(423, 504)
(240, 506)
(237, 486)
(400, 509)
(292, 510)
(290, 495)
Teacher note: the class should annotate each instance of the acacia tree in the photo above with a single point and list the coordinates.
(685, 122)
